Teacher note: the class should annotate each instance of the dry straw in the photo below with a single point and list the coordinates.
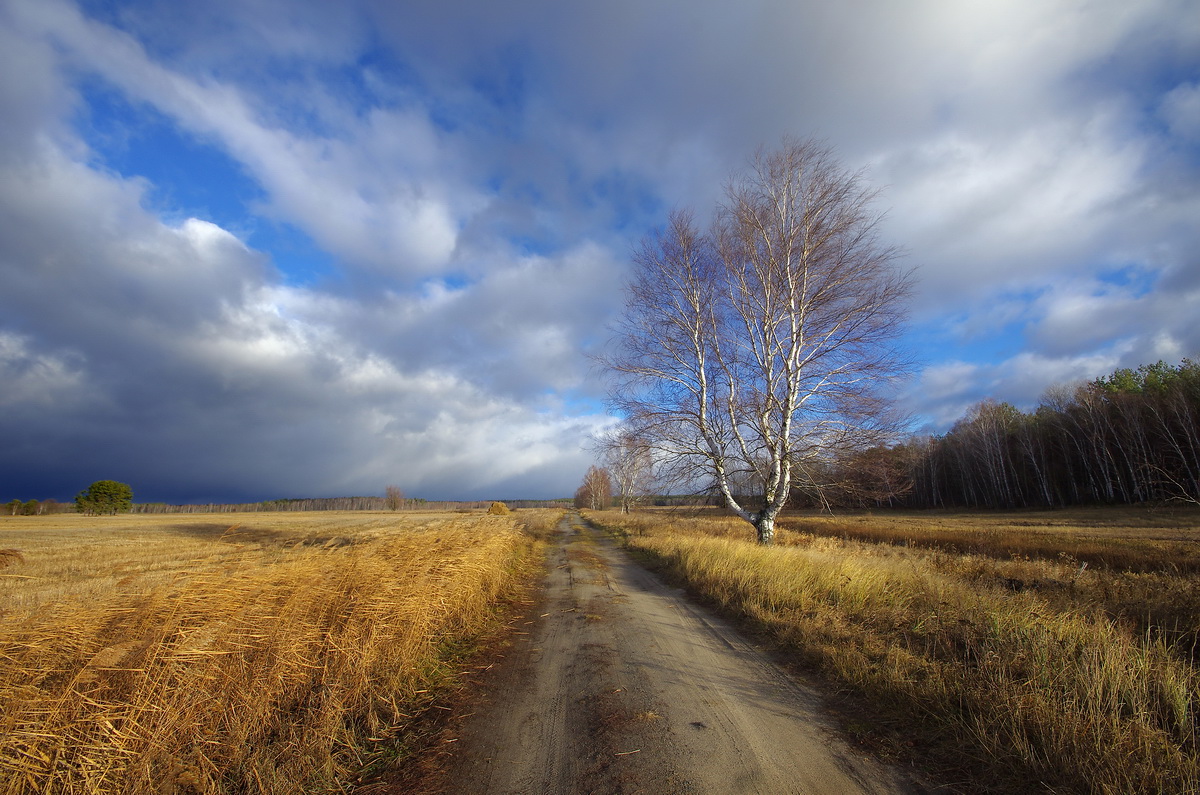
(288, 665)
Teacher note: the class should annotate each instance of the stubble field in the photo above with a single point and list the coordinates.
(297, 652)
(288, 652)
(1052, 652)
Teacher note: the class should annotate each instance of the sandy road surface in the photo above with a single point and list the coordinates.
(625, 687)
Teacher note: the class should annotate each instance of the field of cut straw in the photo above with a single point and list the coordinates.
(265, 653)
(1002, 658)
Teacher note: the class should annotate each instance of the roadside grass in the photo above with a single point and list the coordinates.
(266, 653)
(1011, 669)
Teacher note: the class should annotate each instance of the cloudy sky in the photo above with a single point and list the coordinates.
(270, 248)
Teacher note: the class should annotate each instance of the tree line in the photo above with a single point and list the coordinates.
(1129, 437)
(110, 497)
(305, 504)
(34, 507)
(364, 503)
(341, 504)
(102, 497)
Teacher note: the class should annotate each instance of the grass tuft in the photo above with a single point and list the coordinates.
(10, 557)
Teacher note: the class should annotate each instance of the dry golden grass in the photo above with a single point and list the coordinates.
(1124, 538)
(268, 653)
(1025, 669)
(10, 556)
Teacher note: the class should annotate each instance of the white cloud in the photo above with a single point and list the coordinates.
(1080, 329)
(376, 195)
(992, 215)
(192, 370)
(1181, 110)
(945, 392)
(37, 380)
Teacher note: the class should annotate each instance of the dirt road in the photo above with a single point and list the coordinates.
(623, 686)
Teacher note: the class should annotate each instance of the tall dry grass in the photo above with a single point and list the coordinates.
(262, 660)
(1034, 674)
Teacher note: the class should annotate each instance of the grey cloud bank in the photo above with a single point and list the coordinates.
(477, 180)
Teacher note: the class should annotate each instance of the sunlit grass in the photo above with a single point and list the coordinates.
(1023, 669)
(271, 653)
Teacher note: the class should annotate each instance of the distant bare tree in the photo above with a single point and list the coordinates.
(596, 490)
(394, 498)
(755, 352)
(872, 478)
(630, 462)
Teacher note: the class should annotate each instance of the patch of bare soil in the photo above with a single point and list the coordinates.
(624, 686)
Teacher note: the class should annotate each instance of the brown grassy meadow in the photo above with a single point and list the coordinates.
(983, 639)
(269, 653)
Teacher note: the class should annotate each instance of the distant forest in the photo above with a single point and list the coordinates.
(389, 503)
(343, 504)
(1129, 437)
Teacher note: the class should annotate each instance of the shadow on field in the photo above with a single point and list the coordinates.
(263, 536)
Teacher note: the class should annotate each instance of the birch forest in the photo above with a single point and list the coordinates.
(1129, 437)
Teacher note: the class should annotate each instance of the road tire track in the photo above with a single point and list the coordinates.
(624, 686)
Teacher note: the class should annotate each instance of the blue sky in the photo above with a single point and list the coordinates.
(257, 249)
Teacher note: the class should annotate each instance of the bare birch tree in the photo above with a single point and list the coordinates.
(595, 492)
(394, 498)
(630, 462)
(752, 354)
